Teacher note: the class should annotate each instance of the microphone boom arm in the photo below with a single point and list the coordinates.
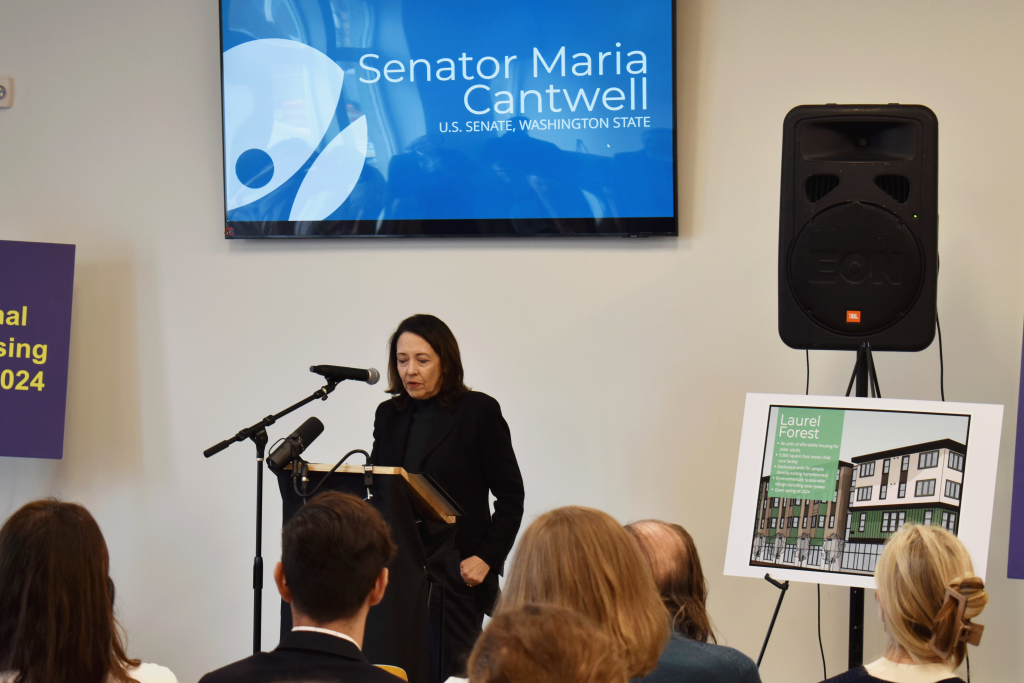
(250, 432)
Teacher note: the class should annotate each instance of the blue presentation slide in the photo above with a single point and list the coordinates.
(450, 109)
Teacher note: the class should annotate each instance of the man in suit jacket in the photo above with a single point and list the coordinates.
(333, 569)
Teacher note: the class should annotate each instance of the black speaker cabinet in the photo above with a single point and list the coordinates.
(858, 227)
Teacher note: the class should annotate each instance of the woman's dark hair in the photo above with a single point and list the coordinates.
(673, 557)
(436, 333)
(56, 601)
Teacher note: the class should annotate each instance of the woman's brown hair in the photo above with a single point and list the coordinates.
(56, 600)
(582, 559)
(917, 565)
(672, 556)
(545, 644)
(433, 331)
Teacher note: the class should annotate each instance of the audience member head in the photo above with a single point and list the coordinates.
(334, 556)
(917, 566)
(545, 643)
(56, 600)
(582, 559)
(673, 559)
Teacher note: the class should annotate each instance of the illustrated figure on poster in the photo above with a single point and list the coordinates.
(434, 424)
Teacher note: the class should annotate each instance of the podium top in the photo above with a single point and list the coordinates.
(431, 502)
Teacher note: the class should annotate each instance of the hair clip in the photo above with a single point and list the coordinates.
(966, 633)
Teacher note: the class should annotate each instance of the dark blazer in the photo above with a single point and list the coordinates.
(469, 453)
(685, 659)
(303, 656)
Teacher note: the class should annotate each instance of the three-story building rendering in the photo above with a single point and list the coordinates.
(922, 484)
(875, 495)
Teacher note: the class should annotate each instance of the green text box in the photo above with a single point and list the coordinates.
(805, 457)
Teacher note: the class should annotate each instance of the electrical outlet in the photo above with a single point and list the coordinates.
(6, 93)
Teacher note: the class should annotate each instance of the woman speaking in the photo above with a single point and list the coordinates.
(435, 425)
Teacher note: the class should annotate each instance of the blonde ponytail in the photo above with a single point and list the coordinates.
(929, 594)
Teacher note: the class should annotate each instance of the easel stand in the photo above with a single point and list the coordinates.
(783, 587)
(258, 435)
(865, 378)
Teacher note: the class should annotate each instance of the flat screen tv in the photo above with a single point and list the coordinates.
(448, 118)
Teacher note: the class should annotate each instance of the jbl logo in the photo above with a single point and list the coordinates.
(853, 316)
(827, 268)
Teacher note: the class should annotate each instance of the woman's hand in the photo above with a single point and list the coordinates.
(474, 570)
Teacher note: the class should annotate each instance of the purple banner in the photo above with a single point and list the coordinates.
(1015, 568)
(36, 282)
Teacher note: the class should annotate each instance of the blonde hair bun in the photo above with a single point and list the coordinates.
(917, 566)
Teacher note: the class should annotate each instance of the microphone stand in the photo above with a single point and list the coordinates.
(257, 433)
(784, 586)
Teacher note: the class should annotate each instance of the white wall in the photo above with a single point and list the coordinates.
(621, 365)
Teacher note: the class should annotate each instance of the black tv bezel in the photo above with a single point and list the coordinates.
(643, 224)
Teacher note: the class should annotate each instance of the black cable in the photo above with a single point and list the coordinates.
(824, 673)
(807, 390)
(968, 665)
(295, 483)
(942, 369)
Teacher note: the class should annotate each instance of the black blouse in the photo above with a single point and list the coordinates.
(861, 675)
(423, 415)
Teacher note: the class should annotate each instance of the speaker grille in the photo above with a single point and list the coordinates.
(896, 186)
(817, 186)
(856, 256)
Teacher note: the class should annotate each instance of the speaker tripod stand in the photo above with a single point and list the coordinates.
(866, 382)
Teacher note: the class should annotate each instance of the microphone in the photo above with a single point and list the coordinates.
(297, 442)
(335, 373)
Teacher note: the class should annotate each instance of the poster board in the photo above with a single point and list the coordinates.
(1015, 562)
(36, 284)
(823, 481)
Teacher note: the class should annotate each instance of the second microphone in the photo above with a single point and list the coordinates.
(297, 442)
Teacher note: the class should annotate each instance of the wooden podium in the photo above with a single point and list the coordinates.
(422, 521)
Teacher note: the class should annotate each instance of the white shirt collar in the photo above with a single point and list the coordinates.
(888, 670)
(336, 634)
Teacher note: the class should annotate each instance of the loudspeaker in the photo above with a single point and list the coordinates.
(858, 227)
